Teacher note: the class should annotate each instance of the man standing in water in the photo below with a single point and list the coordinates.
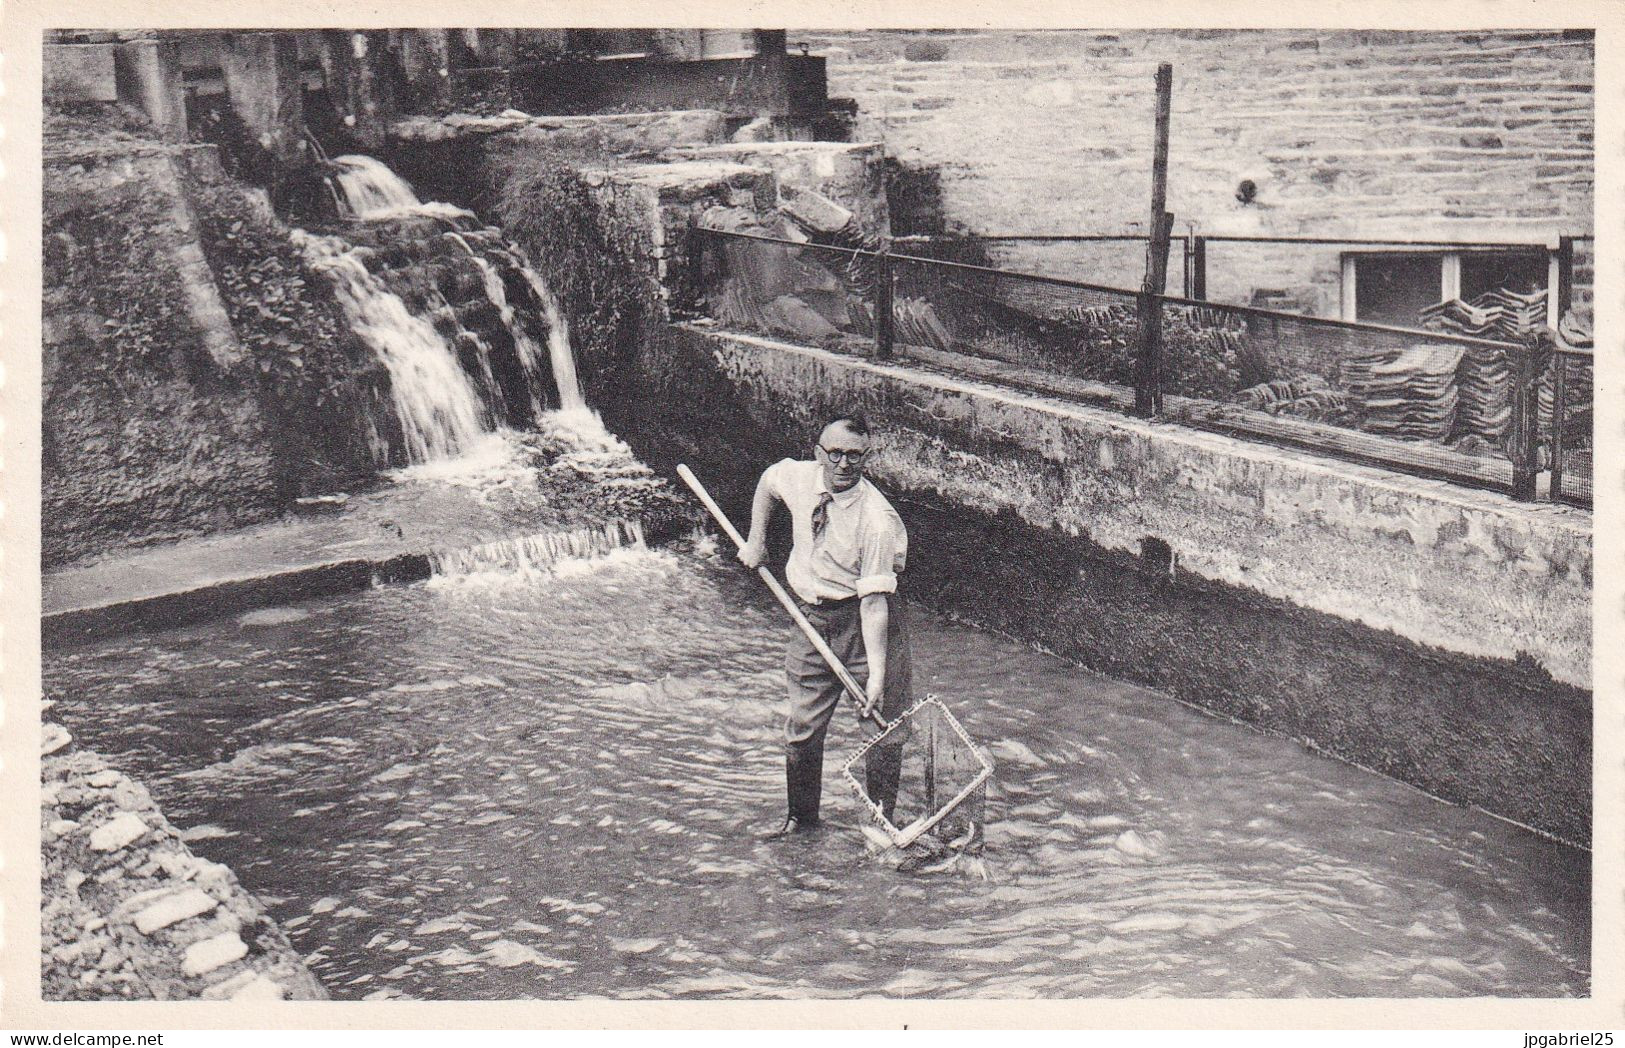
(848, 546)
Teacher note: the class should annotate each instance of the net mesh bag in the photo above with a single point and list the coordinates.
(942, 790)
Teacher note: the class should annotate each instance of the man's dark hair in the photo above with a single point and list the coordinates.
(854, 422)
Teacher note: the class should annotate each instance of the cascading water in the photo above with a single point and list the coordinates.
(370, 190)
(558, 344)
(446, 392)
(435, 402)
(524, 346)
(529, 555)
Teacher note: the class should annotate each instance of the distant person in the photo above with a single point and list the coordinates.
(849, 544)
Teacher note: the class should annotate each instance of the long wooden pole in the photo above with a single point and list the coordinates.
(853, 688)
(1148, 387)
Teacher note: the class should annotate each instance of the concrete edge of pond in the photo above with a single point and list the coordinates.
(196, 603)
(198, 600)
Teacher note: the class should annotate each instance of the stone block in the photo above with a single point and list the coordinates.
(228, 986)
(813, 209)
(118, 832)
(176, 908)
(80, 73)
(261, 988)
(849, 174)
(53, 738)
(206, 955)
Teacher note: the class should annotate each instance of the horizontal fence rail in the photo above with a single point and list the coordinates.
(1483, 412)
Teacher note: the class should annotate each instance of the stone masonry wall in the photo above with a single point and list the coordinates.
(128, 912)
(1419, 135)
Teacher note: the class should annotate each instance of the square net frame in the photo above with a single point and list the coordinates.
(943, 785)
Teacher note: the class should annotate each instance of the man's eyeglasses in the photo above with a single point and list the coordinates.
(844, 455)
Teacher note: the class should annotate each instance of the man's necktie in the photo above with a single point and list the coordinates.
(820, 517)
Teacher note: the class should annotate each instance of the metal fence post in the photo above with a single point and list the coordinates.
(885, 336)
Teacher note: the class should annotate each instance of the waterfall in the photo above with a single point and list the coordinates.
(370, 190)
(445, 401)
(532, 554)
(525, 348)
(439, 411)
(558, 343)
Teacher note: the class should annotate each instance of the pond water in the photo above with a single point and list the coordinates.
(548, 785)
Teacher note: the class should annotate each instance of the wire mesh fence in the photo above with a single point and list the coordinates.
(1055, 326)
(1565, 404)
(812, 293)
(1429, 403)
(1483, 411)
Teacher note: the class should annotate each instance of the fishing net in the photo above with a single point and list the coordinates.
(942, 791)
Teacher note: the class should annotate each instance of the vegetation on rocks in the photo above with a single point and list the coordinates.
(317, 379)
(595, 267)
(138, 303)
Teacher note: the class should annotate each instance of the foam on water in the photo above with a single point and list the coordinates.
(528, 556)
(498, 458)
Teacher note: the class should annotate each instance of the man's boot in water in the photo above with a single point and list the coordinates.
(793, 827)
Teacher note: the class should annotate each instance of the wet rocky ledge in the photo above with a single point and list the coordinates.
(128, 911)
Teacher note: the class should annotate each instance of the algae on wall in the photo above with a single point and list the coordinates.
(145, 436)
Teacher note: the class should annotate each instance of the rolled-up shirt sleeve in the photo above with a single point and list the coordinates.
(773, 479)
(878, 559)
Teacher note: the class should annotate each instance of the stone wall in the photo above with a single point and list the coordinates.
(1466, 135)
(151, 424)
(466, 159)
(1437, 635)
(195, 375)
(128, 912)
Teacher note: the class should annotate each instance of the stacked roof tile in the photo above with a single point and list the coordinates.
(1485, 378)
(1409, 393)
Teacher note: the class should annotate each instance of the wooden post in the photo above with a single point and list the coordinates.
(1565, 276)
(1148, 379)
(1560, 376)
(885, 335)
(1199, 268)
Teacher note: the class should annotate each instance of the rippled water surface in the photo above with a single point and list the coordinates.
(549, 787)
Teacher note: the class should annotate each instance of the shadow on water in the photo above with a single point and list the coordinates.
(549, 786)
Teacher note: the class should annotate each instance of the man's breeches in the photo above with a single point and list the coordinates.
(815, 691)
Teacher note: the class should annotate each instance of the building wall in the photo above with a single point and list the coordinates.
(1481, 135)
